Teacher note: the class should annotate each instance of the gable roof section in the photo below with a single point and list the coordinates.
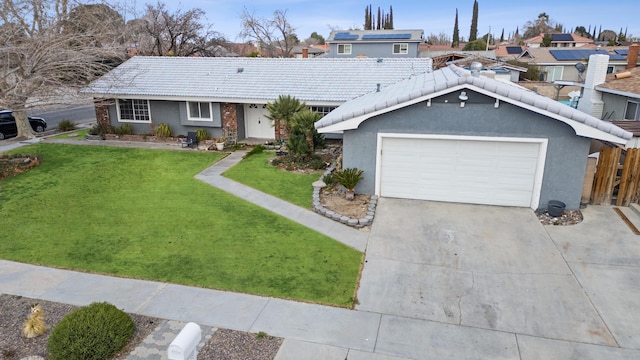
(429, 85)
(316, 80)
(567, 56)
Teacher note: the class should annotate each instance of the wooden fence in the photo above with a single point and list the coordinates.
(613, 180)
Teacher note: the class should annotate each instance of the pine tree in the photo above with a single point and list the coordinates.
(456, 33)
(473, 35)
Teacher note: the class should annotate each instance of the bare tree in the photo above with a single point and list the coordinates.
(275, 37)
(40, 58)
(440, 39)
(180, 33)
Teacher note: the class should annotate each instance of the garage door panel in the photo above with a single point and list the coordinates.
(459, 170)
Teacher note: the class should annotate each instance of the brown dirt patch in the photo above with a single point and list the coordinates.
(334, 200)
(11, 165)
(569, 217)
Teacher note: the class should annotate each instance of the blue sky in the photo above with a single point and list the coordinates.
(431, 16)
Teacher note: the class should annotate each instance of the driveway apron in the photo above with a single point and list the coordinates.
(486, 267)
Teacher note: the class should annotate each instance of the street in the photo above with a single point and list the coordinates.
(78, 114)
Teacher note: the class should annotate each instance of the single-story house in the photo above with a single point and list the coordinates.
(560, 64)
(230, 95)
(566, 40)
(453, 135)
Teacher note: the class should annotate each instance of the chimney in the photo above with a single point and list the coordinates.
(305, 53)
(632, 56)
(591, 100)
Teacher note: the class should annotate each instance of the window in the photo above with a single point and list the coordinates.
(400, 49)
(199, 111)
(631, 112)
(610, 69)
(554, 73)
(344, 49)
(322, 110)
(133, 110)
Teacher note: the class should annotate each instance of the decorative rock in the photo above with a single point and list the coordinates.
(319, 184)
(352, 222)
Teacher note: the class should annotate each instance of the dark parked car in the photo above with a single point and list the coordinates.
(8, 126)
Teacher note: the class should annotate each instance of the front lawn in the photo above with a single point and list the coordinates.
(140, 213)
(257, 172)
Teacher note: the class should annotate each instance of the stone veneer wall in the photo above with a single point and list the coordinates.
(102, 112)
(229, 117)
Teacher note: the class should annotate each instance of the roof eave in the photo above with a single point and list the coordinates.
(618, 92)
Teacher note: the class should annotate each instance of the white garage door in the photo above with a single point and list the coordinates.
(474, 170)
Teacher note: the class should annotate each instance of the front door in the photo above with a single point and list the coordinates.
(256, 122)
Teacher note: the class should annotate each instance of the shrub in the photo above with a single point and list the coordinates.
(93, 332)
(348, 178)
(124, 129)
(329, 179)
(317, 164)
(258, 149)
(163, 131)
(97, 129)
(202, 134)
(66, 125)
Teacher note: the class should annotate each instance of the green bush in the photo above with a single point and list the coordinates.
(93, 332)
(97, 129)
(203, 134)
(258, 149)
(163, 131)
(317, 164)
(124, 129)
(66, 125)
(329, 179)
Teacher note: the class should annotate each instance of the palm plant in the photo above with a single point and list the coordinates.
(283, 109)
(303, 123)
(348, 178)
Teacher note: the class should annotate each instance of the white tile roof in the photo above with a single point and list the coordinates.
(427, 85)
(253, 79)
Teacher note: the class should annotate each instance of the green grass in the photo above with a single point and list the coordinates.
(80, 135)
(255, 171)
(140, 213)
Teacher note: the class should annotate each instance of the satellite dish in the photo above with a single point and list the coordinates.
(580, 67)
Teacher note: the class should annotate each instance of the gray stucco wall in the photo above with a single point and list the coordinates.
(566, 153)
(173, 113)
(374, 50)
(615, 106)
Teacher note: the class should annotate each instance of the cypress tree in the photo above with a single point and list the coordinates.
(456, 33)
(379, 21)
(367, 20)
(473, 35)
(391, 18)
(502, 35)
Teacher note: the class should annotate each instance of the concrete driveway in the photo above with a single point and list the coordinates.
(499, 269)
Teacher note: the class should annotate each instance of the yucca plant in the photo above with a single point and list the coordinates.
(348, 178)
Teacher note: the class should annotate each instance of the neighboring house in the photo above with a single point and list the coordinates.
(491, 67)
(309, 51)
(375, 43)
(509, 51)
(560, 64)
(559, 41)
(230, 95)
(452, 135)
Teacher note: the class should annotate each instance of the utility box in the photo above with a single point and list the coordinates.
(185, 345)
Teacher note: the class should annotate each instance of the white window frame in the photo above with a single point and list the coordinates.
(403, 48)
(637, 112)
(198, 117)
(346, 49)
(135, 103)
(322, 110)
(552, 72)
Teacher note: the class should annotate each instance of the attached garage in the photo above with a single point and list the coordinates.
(477, 170)
(454, 136)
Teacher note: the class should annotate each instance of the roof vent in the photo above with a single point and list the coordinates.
(240, 70)
(378, 87)
(475, 68)
(379, 60)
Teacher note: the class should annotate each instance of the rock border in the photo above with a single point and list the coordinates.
(353, 222)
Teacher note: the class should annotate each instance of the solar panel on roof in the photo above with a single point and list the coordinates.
(623, 52)
(345, 36)
(385, 36)
(561, 37)
(578, 55)
(514, 50)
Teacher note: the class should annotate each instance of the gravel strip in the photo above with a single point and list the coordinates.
(14, 310)
(238, 345)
